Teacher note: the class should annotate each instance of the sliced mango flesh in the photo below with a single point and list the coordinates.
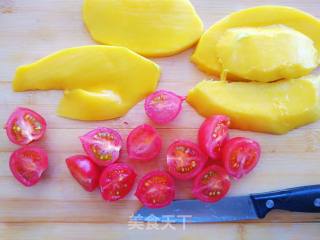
(104, 78)
(148, 27)
(97, 105)
(206, 54)
(266, 54)
(276, 107)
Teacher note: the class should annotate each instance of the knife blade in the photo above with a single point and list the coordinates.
(235, 208)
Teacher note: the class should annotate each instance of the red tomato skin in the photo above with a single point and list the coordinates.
(190, 145)
(209, 139)
(107, 181)
(154, 146)
(88, 141)
(142, 193)
(225, 181)
(235, 143)
(17, 158)
(166, 114)
(84, 171)
(19, 115)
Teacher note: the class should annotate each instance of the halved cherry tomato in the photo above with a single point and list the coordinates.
(156, 189)
(25, 126)
(143, 143)
(102, 145)
(27, 164)
(240, 155)
(116, 181)
(212, 184)
(84, 171)
(163, 106)
(185, 159)
(213, 132)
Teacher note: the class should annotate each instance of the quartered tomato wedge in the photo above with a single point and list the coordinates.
(156, 189)
(84, 171)
(212, 184)
(163, 106)
(102, 145)
(27, 164)
(25, 126)
(116, 181)
(213, 132)
(240, 155)
(185, 159)
(143, 143)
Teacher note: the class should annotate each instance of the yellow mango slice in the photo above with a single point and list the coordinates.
(104, 82)
(98, 105)
(266, 54)
(149, 27)
(276, 107)
(206, 53)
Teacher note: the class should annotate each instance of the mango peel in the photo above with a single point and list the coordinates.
(101, 82)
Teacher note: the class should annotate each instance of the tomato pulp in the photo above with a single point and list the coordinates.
(25, 126)
(144, 143)
(213, 132)
(156, 189)
(240, 155)
(116, 181)
(212, 184)
(27, 165)
(84, 171)
(102, 145)
(163, 106)
(185, 159)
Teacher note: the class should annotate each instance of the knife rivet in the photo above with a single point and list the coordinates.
(317, 202)
(270, 204)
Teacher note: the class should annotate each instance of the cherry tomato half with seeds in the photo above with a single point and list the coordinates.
(27, 165)
(25, 126)
(240, 155)
(144, 143)
(102, 145)
(163, 106)
(185, 159)
(84, 171)
(212, 184)
(212, 134)
(156, 189)
(116, 181)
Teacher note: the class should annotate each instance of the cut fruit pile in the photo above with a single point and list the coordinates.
(27, 163)
(272, 49)
(264, 43)
(275, 47)
(185, 160)
(93, 77)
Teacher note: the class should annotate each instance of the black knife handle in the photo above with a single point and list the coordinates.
(299, 199)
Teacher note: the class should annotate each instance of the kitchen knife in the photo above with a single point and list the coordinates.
(230, 209)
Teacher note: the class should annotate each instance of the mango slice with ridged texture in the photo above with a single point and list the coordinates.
(206, 55)
(109, 79)
(266, 54)
(98, 105)
(276, 107)
(152, 28)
